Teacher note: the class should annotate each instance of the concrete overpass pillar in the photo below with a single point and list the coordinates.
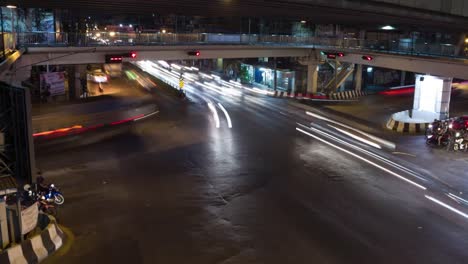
(402, 78)
(312, 77)
(71, 82)
(358, 77)
(432, 97)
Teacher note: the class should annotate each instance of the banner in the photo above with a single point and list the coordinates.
(29, 218)
(54, 82)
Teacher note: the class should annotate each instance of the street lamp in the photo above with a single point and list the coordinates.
(388, 27)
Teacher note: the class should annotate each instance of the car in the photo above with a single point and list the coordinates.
(459, 123)
(97, 77)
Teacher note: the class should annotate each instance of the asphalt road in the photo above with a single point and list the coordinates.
(176, 189)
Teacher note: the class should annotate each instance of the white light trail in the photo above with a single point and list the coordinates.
(381, 141)
(446, 206)
(457, 198)
(228, 118)
(205, 75)
(367, 152)
(363, 159)
(215, 114)
(357, 137)
(176, 66)
(148, 115)
(164, 63)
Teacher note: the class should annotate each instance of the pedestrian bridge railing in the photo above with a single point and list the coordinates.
(395, 46)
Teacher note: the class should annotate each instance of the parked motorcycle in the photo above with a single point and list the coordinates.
(46, 206)
(459, 142)
(437, 134)
(54, 195)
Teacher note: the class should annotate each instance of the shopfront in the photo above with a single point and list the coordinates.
(263, 76)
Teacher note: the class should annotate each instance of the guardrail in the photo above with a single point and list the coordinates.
(396, 46)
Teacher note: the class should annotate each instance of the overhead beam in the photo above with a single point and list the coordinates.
(86, 55)
(456, 68)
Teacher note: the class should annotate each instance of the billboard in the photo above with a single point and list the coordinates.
(53, 82)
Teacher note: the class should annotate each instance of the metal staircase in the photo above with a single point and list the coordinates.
(343, 72)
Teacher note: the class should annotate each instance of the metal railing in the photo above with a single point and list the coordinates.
(396, 46)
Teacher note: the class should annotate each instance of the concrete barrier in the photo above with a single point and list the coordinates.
(347, 95)
(405, 127)
(37, 248)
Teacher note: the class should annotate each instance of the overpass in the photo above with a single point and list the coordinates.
(399, 60)
(310, 51)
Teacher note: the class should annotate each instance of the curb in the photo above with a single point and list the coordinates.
(402, 127)
(37, 248)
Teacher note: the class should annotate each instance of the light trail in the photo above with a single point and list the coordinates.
(228, 118)
(146, 116)
(357, 137)
(215, 114)
(389, 162)
(389, 144)
(446, 206)
(363, 159)
(457, 198)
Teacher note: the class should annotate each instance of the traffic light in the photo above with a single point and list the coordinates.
(194, 53)
(367, 58)
(333, 55)
(114, 58)
(132, 55)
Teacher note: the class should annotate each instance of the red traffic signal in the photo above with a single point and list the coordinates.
(133, 55)
(333, 55)
(367, 58)
(194, 53)
(114, 59)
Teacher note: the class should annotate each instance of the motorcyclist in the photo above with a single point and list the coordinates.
(28, 195)
(442, 131)
(41, 185)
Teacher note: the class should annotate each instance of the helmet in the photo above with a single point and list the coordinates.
(27, 187)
